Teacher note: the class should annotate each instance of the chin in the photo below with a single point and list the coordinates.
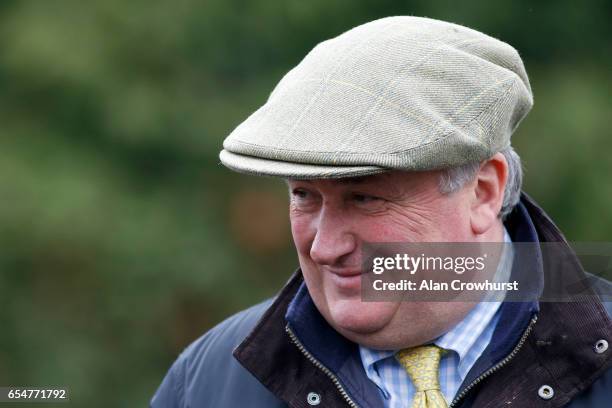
(355, 316)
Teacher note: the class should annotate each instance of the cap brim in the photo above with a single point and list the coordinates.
(265, 167)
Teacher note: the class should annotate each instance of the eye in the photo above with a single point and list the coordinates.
(303, 199)
(365, 198)
(299, 193)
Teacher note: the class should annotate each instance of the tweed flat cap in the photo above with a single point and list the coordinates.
(404, 93)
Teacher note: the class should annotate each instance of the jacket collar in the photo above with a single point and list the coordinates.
(514, 316)
(334, 351)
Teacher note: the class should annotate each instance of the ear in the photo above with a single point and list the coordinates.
(488, 193)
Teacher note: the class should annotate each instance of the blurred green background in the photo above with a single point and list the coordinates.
(122, 238)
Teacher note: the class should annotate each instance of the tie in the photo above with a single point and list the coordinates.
(422, 363)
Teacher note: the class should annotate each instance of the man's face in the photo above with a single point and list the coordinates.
(332, 219)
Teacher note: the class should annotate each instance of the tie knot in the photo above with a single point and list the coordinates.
(422, 364)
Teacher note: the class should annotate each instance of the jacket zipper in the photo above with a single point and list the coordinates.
(497, 366)
(457, 399)
(320, 366)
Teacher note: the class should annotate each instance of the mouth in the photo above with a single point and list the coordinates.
(345, 279)
(344, 272)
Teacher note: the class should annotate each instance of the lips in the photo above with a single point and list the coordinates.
(346, 281)
(345, 273)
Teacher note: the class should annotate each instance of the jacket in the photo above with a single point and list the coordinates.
(283, 353)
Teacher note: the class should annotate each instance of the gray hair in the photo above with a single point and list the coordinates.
(455, 178)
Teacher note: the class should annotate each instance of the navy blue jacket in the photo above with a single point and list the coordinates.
(283, 353)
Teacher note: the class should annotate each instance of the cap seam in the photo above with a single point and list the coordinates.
(328, 77)
(381, 99)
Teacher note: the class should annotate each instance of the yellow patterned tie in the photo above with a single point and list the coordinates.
(422, 364)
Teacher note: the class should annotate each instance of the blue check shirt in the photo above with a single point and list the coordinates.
(465, 343)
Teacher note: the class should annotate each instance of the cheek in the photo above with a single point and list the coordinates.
(302, 232)
(437, 222)
(397, 225)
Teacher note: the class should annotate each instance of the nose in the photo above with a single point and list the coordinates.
(334, 241)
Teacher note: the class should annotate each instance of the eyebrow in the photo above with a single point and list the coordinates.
(356, 180)
(343, 180)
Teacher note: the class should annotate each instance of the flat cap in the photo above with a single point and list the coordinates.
(404, 93)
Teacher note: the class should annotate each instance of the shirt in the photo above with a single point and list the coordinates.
(465, 343)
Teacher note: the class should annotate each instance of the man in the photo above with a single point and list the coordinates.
(398, 131)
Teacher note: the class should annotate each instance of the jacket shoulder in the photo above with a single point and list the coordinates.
(600, 392)
(227, 334)
(597, 395)
(206, 374)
